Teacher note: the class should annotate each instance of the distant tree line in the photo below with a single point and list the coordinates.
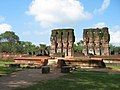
(10, 43)
(114, 50)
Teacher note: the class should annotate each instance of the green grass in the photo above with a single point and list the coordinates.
(2, 63)
(80, 80)
(114, 67)
(4, 69)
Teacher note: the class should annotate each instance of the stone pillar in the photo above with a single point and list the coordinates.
(64, 40)
(96, 41)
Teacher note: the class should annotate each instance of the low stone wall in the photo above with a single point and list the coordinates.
(86, 63)
(32, 60)
(112, 62)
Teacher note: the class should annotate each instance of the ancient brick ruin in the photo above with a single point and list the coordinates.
(62, 41)
(96, 41)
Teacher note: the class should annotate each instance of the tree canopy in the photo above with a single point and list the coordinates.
(10, 43)
(78, 47)
(114, 49)
(9, 36)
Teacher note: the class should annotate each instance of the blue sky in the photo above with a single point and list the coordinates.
(33, 20)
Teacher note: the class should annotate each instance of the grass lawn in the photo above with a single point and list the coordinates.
(80, 80)
(114, 67)
(6, 70)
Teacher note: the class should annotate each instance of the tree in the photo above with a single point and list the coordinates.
(5, 47)
(78, 47)
(8, 41)
(27, 47)
(114, 49)
(9, 36)
(43, 49)
(80, 43)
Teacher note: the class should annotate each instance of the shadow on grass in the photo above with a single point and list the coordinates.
(80, 80)
(6, 70)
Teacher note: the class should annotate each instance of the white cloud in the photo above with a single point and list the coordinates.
(114, 32)
(100, 25)
(57, 11)
(5, 27)
(115, 35)
(38, 43)
(103, 7)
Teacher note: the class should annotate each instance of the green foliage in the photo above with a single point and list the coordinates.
(43, 46)
(9, 43)
(19, 47)
(28, 47)
(114, 49)
(9, 36)
(42, 49)
(114, 67)
(4, 69)
(78, 47)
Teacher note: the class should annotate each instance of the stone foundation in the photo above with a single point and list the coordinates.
(86, 63)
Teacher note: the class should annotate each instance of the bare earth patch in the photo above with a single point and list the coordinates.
(32, 76)
(26, 78)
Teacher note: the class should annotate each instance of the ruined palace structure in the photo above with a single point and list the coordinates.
(62, 41)
(96, 41)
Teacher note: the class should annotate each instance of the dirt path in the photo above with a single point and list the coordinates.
(26, 78)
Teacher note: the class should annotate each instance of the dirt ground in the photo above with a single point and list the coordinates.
(25, 78)
(32, 76)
